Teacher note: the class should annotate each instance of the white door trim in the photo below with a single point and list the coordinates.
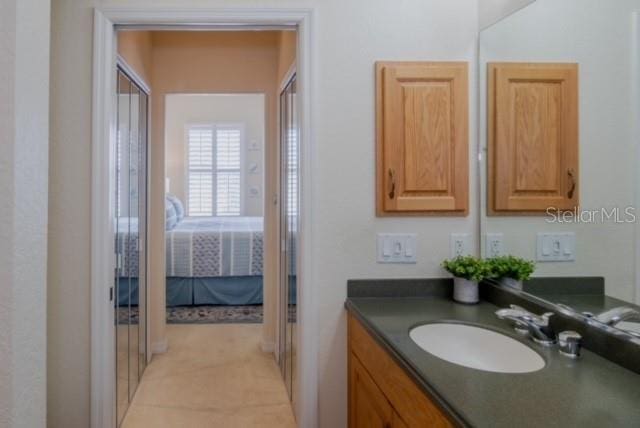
(103, 139)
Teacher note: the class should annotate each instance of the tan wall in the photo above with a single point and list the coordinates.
(287, 46)
(135, 47)
(210, 62)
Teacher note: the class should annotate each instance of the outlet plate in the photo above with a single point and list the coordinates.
(460, 244)
(556, 247)
(396, 248)
(494, 244)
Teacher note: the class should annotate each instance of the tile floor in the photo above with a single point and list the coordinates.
(213, 375)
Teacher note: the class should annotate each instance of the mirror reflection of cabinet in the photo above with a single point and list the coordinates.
(422, 138)
(533, 137)
(528, 65)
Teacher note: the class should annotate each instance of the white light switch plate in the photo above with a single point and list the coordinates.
(460, 245)
(493, 245)
(556, 247)
(396, 248)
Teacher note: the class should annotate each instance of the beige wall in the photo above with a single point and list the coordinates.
(349, 37)
(245, 110)
(492, 11)
(24, 166)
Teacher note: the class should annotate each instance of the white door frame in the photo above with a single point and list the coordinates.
(103, 154)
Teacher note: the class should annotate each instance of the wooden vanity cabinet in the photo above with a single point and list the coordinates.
(422, 138)
(370, 407)
(381, 394)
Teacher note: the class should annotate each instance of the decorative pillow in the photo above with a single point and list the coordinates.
(171, 217)
(177, 204)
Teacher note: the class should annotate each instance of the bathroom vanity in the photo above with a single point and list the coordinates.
(393, 382)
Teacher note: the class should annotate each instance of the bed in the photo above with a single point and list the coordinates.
(209, 261)
(215, 261)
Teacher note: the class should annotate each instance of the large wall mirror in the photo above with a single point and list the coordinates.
(560, 166)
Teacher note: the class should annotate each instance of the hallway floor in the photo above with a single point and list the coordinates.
(213, 375)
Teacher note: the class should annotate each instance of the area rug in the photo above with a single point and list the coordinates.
(250, 314)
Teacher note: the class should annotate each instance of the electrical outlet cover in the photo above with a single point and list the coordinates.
(494, 245)
(460, 245)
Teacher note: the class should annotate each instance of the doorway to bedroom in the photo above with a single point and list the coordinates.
(222, 228)
(214, 183)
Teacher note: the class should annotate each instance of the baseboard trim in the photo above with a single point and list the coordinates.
(160, 347)
(269, 347)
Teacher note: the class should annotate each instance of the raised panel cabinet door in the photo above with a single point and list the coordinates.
(533, 137)
(368, 407)
(422, 138)
(396, 422)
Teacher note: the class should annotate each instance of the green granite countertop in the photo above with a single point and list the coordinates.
(588, 392)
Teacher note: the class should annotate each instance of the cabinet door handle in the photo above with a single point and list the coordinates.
(392, 178)
(572, 179)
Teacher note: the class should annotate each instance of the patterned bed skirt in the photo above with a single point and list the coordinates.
(184, 291)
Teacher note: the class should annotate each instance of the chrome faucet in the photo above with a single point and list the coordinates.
(618, 315)
(536, 326)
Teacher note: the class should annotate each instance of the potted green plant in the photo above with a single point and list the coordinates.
(511, 271)
(467, 272)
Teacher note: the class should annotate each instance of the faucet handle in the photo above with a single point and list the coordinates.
(570, 343)
(547, 315)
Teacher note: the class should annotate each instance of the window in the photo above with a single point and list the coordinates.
(214, 170)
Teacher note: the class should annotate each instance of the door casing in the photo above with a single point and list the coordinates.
(106, 21)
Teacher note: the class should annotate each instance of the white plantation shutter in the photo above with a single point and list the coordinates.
(214, 178)
(228, 171)
(200, 180)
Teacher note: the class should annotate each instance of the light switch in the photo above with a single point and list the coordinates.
(386, 245)
(396, 248)
(556, 247)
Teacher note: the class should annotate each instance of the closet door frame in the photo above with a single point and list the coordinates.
(107, 20)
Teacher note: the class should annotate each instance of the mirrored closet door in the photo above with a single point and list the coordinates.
(130, 239)
(289, 191)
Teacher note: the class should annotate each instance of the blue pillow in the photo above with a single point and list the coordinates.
(171, 217)
(177, 204)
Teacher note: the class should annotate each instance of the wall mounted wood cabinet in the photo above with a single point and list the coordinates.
(422, 138)
(532, 137)
(381, 394)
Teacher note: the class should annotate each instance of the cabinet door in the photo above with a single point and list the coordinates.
(533, 137)
(422, 138)
(368, 408)
(396, 422)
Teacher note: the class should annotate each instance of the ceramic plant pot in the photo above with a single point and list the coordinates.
(511, 282)
(465, 290)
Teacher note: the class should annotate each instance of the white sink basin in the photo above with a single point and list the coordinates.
(477, 348)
